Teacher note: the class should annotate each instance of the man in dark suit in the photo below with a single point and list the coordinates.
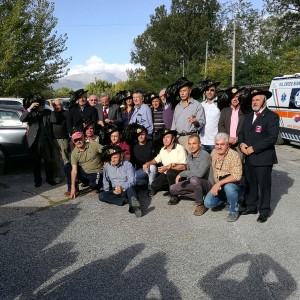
(257, 139)
(108, 113)
(39, 136)
(232, 117)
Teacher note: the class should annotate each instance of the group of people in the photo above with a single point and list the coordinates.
(215, 157)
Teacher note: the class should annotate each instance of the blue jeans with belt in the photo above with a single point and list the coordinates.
(230, 193)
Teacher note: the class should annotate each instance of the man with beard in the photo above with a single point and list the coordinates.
(257, 140)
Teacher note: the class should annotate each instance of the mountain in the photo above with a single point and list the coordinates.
(78, 81)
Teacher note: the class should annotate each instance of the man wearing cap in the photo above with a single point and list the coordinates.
(172, 158)
(194, 182)
(189, 116)
(212, 115)
(232, 117)
(80, 110)
(227, 173)
(142, 114)
(119, 181)
(108, 113)
(143, 152)
(257, 138)
(86, 165)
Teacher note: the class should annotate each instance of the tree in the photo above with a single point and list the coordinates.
(63, 92)
(95, 88)
(30, 50)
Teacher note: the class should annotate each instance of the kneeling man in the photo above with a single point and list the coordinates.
(227, 172)
(197, 183)
(172, 156)
(119, 181)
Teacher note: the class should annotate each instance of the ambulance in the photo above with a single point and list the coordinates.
(285, 101)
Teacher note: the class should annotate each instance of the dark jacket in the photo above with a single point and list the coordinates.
(114, 114)
(262, 136)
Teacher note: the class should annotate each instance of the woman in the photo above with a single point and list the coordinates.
(127, 108)
(115, 139)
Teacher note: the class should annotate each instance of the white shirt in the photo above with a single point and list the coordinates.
(212, 115)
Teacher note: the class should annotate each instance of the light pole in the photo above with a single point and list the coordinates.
(233, 57)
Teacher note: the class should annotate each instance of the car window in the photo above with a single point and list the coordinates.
(10, 102)
(9, 118)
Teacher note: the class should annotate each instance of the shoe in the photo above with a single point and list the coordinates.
(137, 212)
(218, 208)
(200, 210)
(152, 192)
(51, 182)
(262, 219)
(232, 217)
(166, 193)
(173, 200)
(37, 184)
(248, 211)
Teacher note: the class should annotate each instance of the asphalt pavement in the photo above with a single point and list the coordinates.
(56, 248)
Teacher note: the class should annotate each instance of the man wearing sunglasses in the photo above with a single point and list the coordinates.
(227, 173)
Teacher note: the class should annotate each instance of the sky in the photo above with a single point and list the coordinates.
(101, 32)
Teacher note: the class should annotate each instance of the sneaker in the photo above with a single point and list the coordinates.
(232, 217)
(173, 200)
(137, 212)
(200, 210)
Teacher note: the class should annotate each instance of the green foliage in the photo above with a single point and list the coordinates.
(95, 88)
(29, 49)
(63, 92)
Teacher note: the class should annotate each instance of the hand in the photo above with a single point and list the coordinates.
(34, 105)
(177, 179)
(50, 102)
(244, 148)
(233, 140)
(192, 119)
(161, 169)
(146, 166)
(108, 121)
(250, 150)
(118, 190)
(101, 123)
(73, 193)
(215, 189)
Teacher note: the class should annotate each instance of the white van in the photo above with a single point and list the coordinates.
(285, 101)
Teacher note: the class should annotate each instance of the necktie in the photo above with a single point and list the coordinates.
(257, 114)
(104, 113)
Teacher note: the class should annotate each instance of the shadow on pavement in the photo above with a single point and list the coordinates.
(110, 279)
(248, 277)
(27, 258)
(280, 186)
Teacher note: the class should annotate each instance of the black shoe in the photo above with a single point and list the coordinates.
(248, 211)
(166, 193)
(152, 192)
(262, 219)
(173, 200)
(37, 184)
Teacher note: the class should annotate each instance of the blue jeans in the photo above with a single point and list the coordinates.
(145, 177)
(208, 148)
(230, 193)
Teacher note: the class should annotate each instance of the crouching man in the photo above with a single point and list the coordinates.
(194, 183)
(119, 181)
(86, 165)
(227, 173)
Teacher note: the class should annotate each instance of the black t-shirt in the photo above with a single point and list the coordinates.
(142, 154)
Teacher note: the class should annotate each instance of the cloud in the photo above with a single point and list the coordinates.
(95, 65)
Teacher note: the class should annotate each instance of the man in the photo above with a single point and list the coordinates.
(257, 139)
(227, 172)
(157, 111)
(86, 165)
(189, 116)
(172, 158)
(119, 182)
(61, 139)
(143, 151)
(168, 109)
(197, 184)
(93, 101)
(142, 114)
(39, 136)
(212, 115)
(232, 117)
(80, 110)
(108, 113)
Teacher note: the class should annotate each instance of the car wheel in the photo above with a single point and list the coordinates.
(2, 161)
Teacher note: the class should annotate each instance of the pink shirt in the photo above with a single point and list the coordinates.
(234, 121)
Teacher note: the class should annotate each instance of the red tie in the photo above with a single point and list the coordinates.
(104, 113)
(257, 114)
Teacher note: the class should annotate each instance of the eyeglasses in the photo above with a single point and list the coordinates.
(93, 100)
(76, 140)
(212, 90)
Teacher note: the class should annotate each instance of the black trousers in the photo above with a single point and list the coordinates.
(163, 181)
(258, 187)
(37, 152)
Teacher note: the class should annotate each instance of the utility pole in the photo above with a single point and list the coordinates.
(206, 58)
(233, 56)
(183, 66)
